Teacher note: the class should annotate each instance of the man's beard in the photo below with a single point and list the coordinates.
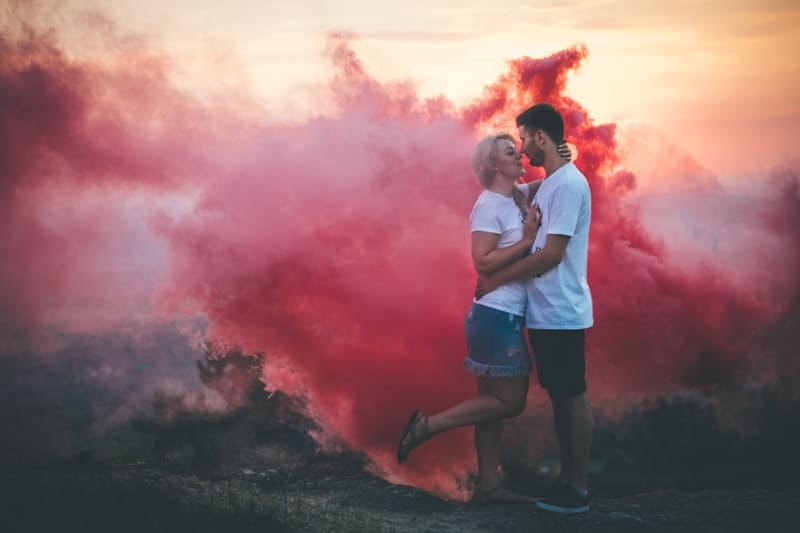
(536, 158)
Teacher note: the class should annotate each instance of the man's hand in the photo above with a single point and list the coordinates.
(486, 284)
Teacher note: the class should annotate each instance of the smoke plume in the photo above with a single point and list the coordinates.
(338, 246)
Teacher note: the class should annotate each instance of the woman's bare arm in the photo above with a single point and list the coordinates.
(488, 258)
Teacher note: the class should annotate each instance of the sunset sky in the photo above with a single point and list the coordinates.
(718, 78)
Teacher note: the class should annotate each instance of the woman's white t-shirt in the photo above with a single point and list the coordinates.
(495, 213)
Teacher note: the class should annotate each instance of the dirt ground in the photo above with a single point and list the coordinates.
(327, 496)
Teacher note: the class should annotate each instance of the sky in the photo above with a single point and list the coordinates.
(715, 77)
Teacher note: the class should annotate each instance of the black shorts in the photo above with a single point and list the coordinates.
(560, 360)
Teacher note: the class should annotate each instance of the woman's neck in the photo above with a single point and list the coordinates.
(502, 185)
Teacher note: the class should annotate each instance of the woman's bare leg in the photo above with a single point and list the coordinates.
(500, 398)
(487, 434)
(487, 446)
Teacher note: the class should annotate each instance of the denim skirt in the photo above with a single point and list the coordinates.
(495, 343)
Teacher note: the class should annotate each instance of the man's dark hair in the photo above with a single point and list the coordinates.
(543, 117)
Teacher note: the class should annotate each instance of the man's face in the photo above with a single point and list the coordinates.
(530, 148)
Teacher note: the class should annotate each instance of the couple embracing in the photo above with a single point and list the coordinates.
(530, 248)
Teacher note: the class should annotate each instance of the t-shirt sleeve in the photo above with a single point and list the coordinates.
(484, 218)
(565, 208)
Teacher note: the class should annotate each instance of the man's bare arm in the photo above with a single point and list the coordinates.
(537, 263)
(488, 258)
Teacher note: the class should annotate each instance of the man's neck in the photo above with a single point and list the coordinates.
(553, 163)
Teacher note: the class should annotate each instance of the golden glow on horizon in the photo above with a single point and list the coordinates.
(713, 75)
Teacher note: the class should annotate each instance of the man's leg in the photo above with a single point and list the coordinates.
(563, 437)
(574, 425)
(561, 362)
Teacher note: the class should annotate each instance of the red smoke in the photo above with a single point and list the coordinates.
(345, 258)
(88, 149)
(339, 246)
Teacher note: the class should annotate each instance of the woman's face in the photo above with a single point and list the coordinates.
(507, 159)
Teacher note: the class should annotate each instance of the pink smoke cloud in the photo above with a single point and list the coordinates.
(338, 246)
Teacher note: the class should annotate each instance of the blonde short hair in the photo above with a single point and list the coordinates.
(483, 157)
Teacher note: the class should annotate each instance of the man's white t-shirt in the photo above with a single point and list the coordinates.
(495, 213)
(560, 297)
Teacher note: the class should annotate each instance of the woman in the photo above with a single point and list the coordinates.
(503, 230)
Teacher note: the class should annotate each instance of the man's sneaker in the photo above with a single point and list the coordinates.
(550, 491)
(565, 500)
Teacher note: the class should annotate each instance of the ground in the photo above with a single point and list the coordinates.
(330, 496)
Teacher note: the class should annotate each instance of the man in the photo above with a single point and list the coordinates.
(559, 302)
